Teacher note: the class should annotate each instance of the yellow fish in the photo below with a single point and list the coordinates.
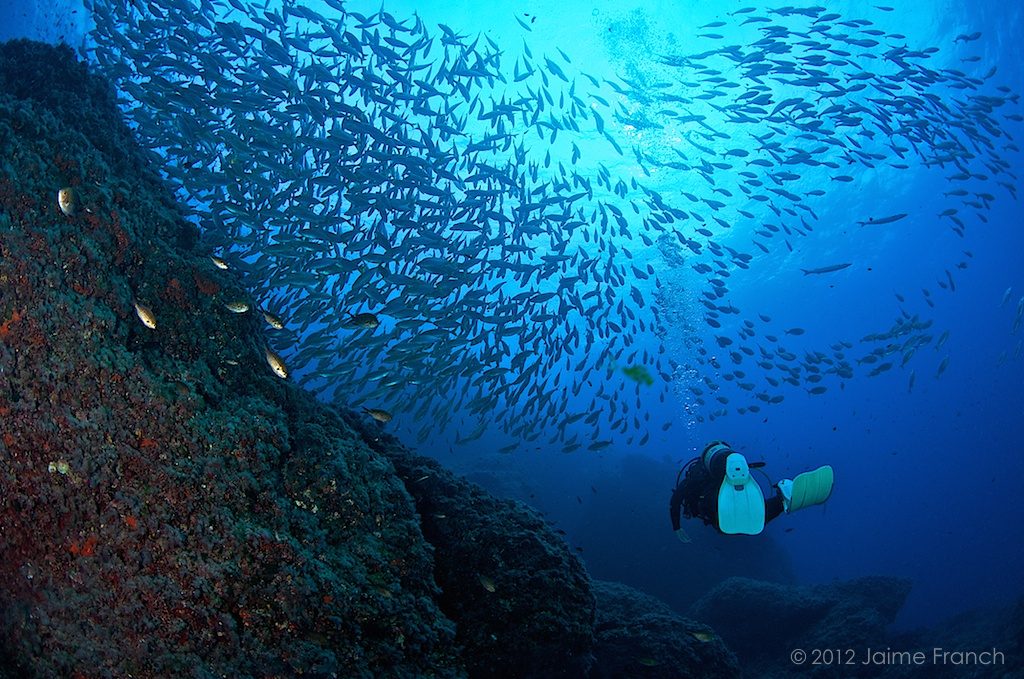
(67, 201)
(703, 636)
(487, 583)
(276, 364)
(272, 320)
(237, 307)
(639, 374)
(146, 316)
(219, 263)
(378, 414)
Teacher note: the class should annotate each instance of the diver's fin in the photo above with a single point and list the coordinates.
(740, 501)
(809, 488)
(741, 509)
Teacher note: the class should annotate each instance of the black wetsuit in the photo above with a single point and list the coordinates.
(697, 494)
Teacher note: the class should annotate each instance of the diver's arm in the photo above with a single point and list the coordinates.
(674, 506)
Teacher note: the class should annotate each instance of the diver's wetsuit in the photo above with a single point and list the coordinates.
(697, 495)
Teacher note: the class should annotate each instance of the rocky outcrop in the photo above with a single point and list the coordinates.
(168, 505)
(522, 600)
(988, 642)
(763, 622)
(639, 636)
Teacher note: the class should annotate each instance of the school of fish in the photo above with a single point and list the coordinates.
(421, 230)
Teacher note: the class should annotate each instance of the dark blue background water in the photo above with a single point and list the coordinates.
(929, 481)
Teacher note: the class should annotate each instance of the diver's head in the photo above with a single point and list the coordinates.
(711, 449)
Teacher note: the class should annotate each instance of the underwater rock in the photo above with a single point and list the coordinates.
(755, 617)
(984, 631)
(168, 505)
(861, 614)
(763, 622)
(521, 601)
(639, 636)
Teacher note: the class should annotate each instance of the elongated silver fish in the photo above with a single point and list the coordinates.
(827, 269)
(883, 220)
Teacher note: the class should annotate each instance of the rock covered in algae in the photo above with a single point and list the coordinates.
(168, 505)
(639, 636)
(763, 621)
(520, 598)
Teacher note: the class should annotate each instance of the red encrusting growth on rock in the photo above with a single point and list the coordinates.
(5, 327)
(164, 504)
(175, 294)
(204, 284)
(86, 547)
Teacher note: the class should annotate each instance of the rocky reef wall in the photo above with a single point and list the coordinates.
(169, 505)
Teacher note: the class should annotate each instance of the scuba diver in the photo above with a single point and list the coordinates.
(718, 488)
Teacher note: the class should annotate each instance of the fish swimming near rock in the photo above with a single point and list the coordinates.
(145, 315)
(379, 414)
(272, 320)
(67, 201)
(276, 363)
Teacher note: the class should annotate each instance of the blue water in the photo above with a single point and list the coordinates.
(927, 479)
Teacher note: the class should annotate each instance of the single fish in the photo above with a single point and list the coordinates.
(237, 307)
(883, 220)
(378, 414)
(67, 200)
(272, 320)
(145, 315)
(639, 373)
(967, 37)
(363, 320)
(827, 269)
(276, 364)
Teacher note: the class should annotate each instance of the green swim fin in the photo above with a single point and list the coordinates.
(809, 488)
